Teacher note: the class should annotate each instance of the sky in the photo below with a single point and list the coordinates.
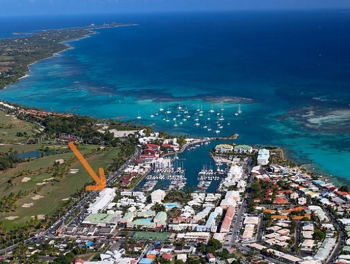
(69, 7)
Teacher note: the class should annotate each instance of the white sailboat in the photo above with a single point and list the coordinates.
(161, 109)
(239, 111)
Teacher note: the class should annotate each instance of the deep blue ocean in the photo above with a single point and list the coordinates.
(282, 61)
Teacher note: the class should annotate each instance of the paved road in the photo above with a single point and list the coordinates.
(340, 242)
(238, 219)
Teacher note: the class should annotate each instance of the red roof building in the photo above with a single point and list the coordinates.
(153, 146)
(280, 200)
(167, 256)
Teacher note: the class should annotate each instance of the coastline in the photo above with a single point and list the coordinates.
(312, 168)
(67, 46)
(338, 181)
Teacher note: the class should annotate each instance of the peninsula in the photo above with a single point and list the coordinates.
(17, 53)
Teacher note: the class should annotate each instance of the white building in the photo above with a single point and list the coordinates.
(157, 196)
(106, 196)
(302, 200)
(263, 156)
(233, 176)
(243, 149)
(223, 148)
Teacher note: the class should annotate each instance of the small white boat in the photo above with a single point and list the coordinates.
(239, 111)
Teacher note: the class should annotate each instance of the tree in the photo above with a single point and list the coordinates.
(158, 207)
(344, 188)
(182, 140)
(193, 261)
(319, 235)
(216, 244)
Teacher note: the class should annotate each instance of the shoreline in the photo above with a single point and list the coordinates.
(336, 180)
(333, 178)
(67, 46)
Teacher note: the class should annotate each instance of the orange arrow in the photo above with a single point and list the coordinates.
(100, 181)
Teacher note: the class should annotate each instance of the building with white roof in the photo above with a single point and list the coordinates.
(263, 156)
(106, 196)
(319, 212)
(325, 249)
(157, 196)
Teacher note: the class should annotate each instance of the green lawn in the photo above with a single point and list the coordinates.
(53, 193)
(6, 58)
(20, 148)
(10, 125)
(154, 236)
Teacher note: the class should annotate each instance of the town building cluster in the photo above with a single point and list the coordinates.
(263, 207)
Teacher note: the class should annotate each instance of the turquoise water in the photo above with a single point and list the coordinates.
(171, 205)
(279, 60)
(145, 220)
